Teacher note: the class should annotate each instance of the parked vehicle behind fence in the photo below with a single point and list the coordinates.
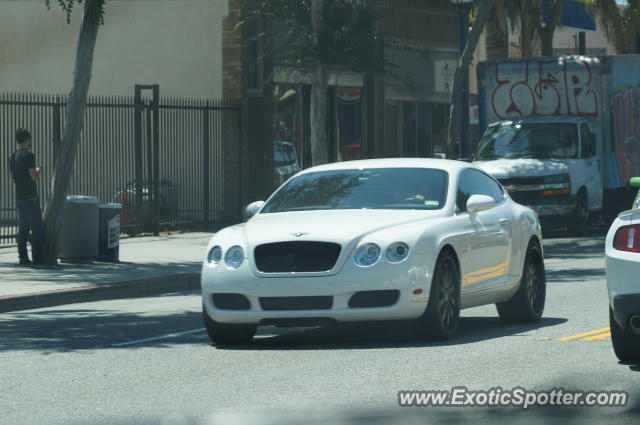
(285, 162)
(136, 219)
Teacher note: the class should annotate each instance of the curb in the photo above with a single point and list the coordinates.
(107, 291)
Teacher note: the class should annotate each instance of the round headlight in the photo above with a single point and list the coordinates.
(367, 255)
(397, 252)
(215, 255)
(234, 257)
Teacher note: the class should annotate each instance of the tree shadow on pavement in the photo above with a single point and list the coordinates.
(66, 330)
(574, 275)
(54, 331)
(574, 248)
(398, 334)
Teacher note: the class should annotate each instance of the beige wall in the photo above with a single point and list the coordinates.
(174, 43)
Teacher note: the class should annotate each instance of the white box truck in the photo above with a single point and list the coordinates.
(562, 134)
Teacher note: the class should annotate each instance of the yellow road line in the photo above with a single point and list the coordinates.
(568, 338)
(593, 338)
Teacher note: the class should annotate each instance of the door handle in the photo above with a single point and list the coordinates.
(504, 222)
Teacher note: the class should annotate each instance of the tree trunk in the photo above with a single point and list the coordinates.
(485, 6)
(319, 149)
(76, 106)
(546, 38)
(319, 154)
(497, 42)
(546, 33)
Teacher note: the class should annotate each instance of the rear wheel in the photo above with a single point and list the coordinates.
(626, 344)
(227, 334)
(440, 319)
(527, 305)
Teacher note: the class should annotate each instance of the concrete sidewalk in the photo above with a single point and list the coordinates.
(149, 265)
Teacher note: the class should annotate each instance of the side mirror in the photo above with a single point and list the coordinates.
(477, 203)
(252, 209)
(634, 182)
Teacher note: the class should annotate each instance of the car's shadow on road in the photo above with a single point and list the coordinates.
(379, 335)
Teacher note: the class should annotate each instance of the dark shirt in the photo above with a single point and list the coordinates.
(19, 163)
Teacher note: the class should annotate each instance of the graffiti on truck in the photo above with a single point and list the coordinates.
(543, 87)
(625, 110)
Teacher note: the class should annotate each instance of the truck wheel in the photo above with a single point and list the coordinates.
(626, 344)
(527, 305)
(579, 218)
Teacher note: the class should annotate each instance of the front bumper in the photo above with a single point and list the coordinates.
(340, 288)
(546, 206)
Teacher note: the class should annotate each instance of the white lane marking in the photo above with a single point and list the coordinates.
(155, 338)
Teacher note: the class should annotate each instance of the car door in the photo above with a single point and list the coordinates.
(486, 234)
(589, 154)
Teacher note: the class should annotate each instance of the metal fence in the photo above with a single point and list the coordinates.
(171, 163)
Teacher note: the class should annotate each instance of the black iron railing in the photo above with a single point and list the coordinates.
(173, 164)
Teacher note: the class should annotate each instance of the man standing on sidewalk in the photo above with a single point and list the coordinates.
(24, 173)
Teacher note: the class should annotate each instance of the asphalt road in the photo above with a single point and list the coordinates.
(149, 361)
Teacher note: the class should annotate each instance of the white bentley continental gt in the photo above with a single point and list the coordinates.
(370, 240)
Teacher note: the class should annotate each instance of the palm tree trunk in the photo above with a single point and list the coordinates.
(76, 106)
(497, 42)
(319, 149)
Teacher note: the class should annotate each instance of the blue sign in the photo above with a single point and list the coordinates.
(574, 15)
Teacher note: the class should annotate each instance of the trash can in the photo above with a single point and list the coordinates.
(109, 233)
(79, 232)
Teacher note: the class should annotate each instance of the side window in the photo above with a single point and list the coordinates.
(474, 182)
(588, 141)
(496, 190)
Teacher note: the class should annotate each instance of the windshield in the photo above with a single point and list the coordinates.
(376, 188)
(533, 140)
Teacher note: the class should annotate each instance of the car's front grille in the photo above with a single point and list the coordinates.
(296, 256)
(296, 303)
(522, 181)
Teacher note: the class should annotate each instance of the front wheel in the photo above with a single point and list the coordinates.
(440, 319)
(527, 304)
(626, 344)
(227, 334)
(579, 218)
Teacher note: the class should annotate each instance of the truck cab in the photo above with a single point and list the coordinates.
(550, 164)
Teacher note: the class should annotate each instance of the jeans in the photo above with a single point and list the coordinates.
(30, 220)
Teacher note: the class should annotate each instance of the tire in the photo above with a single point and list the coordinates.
(527, 304)
(227, 334)
(579, 218)
(626, 344)
(441, 317)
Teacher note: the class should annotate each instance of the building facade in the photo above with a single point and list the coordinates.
(176, 44)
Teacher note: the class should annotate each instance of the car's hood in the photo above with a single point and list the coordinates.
(503, 168)
(341, 226)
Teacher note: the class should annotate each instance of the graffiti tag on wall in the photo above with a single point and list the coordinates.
(537, 87)
(626, 124)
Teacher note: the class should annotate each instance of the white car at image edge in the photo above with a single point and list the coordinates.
(370, 240)
(622, 251)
